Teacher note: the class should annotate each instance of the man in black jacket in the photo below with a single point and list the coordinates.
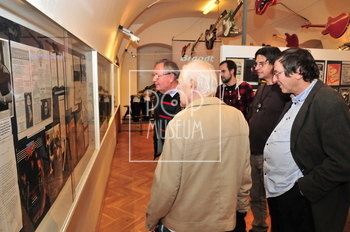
(166, 101)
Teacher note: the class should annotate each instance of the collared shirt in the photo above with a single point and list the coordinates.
(173, 92)
(240, 96)
(280, 170)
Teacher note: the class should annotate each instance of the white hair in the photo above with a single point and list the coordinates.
(203, 75)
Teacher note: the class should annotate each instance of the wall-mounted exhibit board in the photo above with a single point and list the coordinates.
(334, 66)
(50, 124)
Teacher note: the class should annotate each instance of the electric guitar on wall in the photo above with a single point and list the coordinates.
(183, 52)
(292, 40)
(335, 26)
(193, 50)
(228, 23)
(262, 5)
(210, 34)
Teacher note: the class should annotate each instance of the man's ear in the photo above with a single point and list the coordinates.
(299, 76)
(173, 77)
(193, 84)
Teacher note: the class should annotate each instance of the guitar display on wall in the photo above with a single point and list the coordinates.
(292, 40)
(228, 23)
(210, 34)
(336, 26)
(193, 49)
(184, 49)
(262, 5)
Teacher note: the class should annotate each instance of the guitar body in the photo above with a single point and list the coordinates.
(262, 5)
(337, 26)
(292, 40)
(210, 34)
(210, 37)
(228, 23)
(183, 52)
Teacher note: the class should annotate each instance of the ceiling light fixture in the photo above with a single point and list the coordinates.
(131, 53)
(211, 5)
(133, 37)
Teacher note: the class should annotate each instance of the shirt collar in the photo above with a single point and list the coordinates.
(173, 92)
(301, 97)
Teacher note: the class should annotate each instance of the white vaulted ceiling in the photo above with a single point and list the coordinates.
(159, 22)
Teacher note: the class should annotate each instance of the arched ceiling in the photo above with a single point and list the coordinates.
(96, 22)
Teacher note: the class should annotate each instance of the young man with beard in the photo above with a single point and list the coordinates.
(234, 92)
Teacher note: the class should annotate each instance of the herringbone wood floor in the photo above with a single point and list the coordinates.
(129, 183)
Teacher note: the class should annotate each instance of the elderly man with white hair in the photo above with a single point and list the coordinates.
(203, 175)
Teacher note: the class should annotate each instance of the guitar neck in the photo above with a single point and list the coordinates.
(278, 36)
(195, 44)
(221, 16)
(237, 9)
(313, 25)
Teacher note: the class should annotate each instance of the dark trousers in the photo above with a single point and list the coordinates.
(291, 212)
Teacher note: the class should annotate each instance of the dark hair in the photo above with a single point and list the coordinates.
(170, 66)
(293, 59)
(230, 65)
(269, 52)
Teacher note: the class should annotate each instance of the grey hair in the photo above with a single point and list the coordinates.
(169, 66)
(203, 75)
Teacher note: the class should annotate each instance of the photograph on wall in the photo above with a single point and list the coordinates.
(72, 140)
(321, 68)
(60, 69)
(10, 209)
(6, 86)
(240, 68)
(249, 72)
(77, 79)
(345, 73)
(80, 141)
(56, 162)
(344, 92)
(32, 85)
(33, 180)
(69, 82)
(333, 73)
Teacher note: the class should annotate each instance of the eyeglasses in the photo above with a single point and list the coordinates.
(158, 76)
(277, 73)
(260, 64)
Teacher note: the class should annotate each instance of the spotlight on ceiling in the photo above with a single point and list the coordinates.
(133, 37)
(211, 5)
(131, 53)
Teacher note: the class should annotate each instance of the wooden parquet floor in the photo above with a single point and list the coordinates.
(128, 188)
(129, 183)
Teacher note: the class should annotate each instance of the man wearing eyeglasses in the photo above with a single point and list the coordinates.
(264, 112)
(306, 157)
(167, 100)
(233, 92)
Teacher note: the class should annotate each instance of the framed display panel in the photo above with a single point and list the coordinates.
(334, 65)
(105, 91)
(50, 136)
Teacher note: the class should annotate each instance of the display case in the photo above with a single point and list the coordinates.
(56, 98)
